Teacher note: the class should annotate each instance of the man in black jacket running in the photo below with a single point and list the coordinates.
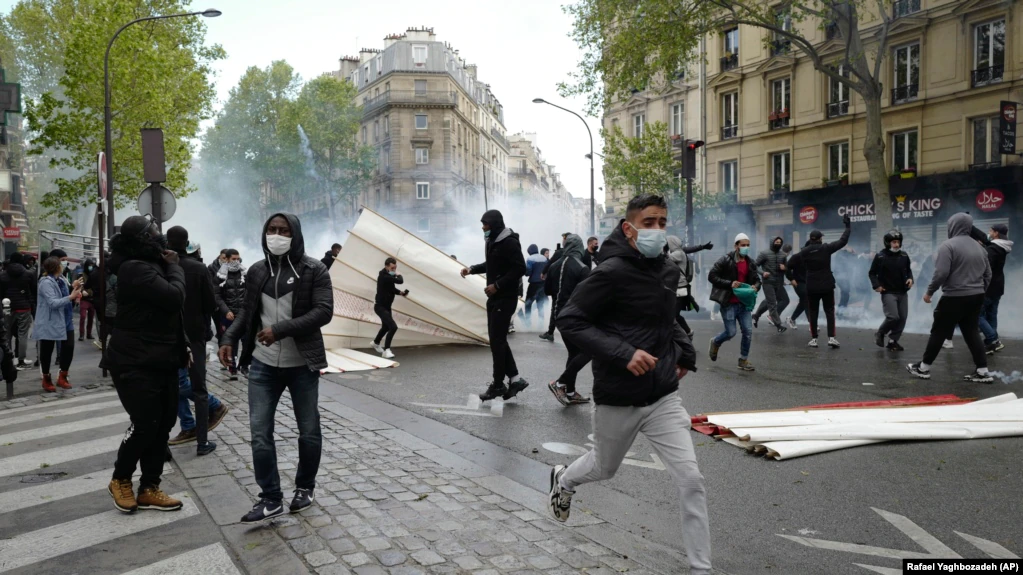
(624, 315)
(504, 267)
(386, 290)
(567, 275)
(815, 258)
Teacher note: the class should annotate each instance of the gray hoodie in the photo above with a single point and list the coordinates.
(961, 267)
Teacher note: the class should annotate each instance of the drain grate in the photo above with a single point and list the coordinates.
(42, 477)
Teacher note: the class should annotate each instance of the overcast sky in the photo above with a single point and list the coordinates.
(522, 50)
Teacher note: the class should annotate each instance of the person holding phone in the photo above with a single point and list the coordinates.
(54, 322)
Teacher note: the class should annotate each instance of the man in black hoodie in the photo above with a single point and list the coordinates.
(624, 315)
(891, 276)
(771, 265)
(998, 246)
(504, 267)
(86, 306)
(328, 258)
(815, 259)
(19, 286)
(387, 279)
(569, 272)
(288, 298)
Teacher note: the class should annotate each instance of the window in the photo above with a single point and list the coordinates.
(421, 121)
(387, 158)
(904, 150)
(379, 61)
(730, 115)
(638, 121)
(905, 7)
(985, 143)
(422, 155)
(424, 225)
(677, 119)
(729, 177)
(387, 127)
(780, 171)
(779, 117)
(731, 49)
(419, 55)
(907, 73)
(364, 140)
(422, 190)
(838, 102)
(780, 44)
(838, 161)
(988, 52)
(376, 132)
(420, 87)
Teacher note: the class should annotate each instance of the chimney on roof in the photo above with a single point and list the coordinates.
(348, 65)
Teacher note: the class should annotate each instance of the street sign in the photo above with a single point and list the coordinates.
(154, 167)
(162, 212)
(101, 170)
(13, 234)
(1007, 128)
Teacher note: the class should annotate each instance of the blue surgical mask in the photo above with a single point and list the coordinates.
(486, 234)
(989, 237)
(394, 273)
(650, 243)
(744, 251)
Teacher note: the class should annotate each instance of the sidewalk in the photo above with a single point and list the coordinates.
(84, 372)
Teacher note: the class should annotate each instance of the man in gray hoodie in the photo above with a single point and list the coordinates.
(962, 273)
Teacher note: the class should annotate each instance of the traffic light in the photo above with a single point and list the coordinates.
(686, 156)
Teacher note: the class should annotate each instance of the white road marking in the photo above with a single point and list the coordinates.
(43, 544)
(60, 402)
(916, 533)
(45, 415)
(209, 560)
(24, 463)
(994, 550)
(881, 570)
(472, 406)
(62, 428)
(64, 489)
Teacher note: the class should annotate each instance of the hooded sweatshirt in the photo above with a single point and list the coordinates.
(535, 265)
(18, 285)
(961, 267)
(569, 271)
(997, 251)
(504, 264)
(678, 256)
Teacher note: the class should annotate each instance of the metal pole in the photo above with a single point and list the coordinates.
(157, 210)
(101, 297)
(690, 235)
(593, 215)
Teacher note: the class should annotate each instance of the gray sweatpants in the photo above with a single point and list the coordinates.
(776, 299)
(666, 425)
(896, 311)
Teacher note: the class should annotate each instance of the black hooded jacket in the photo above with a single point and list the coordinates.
(229, 292)
(504, 263)
(328, 259)
(816, 260)
(385, 288)
(567, 273)
(18, 285)
(312, 301)
(770, 261)
(89, 271)
(199, 301)
(891, 271)
(628, 303)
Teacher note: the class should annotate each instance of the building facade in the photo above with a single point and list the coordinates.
(532, 182)
(438, 130)
(12, 188)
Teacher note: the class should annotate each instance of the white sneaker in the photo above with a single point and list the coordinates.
(792, 323)
(813, 343)
(387, 354)
(378, 347)
(833, 343)
(947, 344)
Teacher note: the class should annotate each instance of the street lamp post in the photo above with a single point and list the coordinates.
(593, 201)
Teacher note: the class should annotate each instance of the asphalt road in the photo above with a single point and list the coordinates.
(972, 487)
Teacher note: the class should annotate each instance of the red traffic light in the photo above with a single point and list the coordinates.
(693, 144)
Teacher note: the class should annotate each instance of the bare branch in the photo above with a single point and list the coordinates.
(882, 45)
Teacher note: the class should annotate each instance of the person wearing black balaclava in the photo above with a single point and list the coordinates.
(771, 263)
(815, 258)
(504, 267)
(147, 347)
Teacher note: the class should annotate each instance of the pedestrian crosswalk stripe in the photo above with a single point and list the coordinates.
(61, 429)
(19, 464)
(54, 403)
(50, 542)
(47, 415)
(209, 560)
(58, 490)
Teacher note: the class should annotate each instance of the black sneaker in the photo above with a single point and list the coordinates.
(781, 328)
(878, 339)
(756, 321)
(265, 509)
(244, 370)
(894, 346)
(989, 348)
(495, 390)
(515, 388)
(713, 350)
(560, 502)
(205, 448)
(547, 337)
(914, 368)
(303, 498)
(999, 346)
(979, 378)
(22, 366)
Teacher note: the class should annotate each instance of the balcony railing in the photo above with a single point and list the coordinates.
(831, 31)
(410, 97)
(836, 109)
(729, 132)
(781, 46)
(986, 75)
(778, 194)
(729, 62)
(499, 137)
(905, 7)
(779, 119)
(986, 166)
(904, 93)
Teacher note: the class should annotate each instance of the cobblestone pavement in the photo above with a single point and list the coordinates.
(383, 509)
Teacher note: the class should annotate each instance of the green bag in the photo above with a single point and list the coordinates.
(747, 296)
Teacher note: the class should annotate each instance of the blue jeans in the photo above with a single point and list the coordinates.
(989, 319)
(729, 314)
(266, 384)
(185, 394)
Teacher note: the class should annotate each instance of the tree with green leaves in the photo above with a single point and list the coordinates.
(160, 76)
(629, 43)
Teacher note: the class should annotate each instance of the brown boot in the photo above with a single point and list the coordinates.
(48, 384)
(124, 496)
(217, 416)
(62, 381)
(152, 498)
(183, 437)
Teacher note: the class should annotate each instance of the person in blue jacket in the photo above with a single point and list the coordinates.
(536, 266)
(55, 322)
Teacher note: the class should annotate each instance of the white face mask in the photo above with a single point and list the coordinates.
(278, 245)
(63, 264)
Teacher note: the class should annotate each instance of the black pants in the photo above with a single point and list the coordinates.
(151, 399)
(680, 304)
(813, 311)
(801, 306)
(776, 299)
(577, 360)
(554, 314)
(67, 352)
(952, 311)
(499, 315)
(201, 397)
(389, 327)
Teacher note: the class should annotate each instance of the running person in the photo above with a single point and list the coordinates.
(679, 255)
(771, 264)
(386, 280)
(815, 258)
(569, 272)
(730, 272)
(891, 276)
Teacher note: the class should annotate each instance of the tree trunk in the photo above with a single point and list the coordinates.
(874, 152)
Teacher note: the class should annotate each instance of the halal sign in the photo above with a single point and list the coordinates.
(808, 215)
(990, 200)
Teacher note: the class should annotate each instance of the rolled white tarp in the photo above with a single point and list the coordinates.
(883, 431)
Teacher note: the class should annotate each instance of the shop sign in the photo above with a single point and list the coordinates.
(12, 234)
(902, 209)
(990, 200)
(808, 215)
(1007, 128)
